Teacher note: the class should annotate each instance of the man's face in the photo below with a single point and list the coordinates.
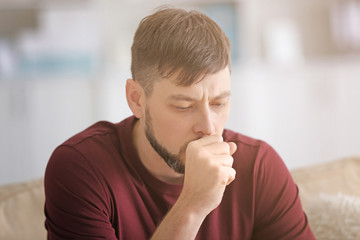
(176, 115)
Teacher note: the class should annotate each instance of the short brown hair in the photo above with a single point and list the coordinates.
(171, 41)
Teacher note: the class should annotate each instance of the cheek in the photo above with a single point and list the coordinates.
(171, 131)
(220, 118)
(225, 115)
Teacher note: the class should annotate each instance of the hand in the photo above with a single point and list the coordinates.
(208, 170)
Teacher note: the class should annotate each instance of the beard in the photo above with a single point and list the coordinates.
(174, 161)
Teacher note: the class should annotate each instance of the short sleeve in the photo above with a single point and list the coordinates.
(278, 210)
(77, 205)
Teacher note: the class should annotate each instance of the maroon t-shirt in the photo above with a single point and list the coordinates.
(97, 188)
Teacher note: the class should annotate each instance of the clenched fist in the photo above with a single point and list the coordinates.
(208, 170)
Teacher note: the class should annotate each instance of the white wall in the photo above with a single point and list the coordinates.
(309, 114)
(35, 117)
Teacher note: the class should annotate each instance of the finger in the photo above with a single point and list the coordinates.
(218, 148)
(225, 160)
(233, 147)
(206, 140)
(231, 175)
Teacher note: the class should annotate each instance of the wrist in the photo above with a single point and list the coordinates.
(183, 221)
(191, 206)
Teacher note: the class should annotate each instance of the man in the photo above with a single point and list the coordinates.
(171, 171)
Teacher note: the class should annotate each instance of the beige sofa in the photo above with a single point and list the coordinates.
(330, 194)
(21, 205)
(21, 211)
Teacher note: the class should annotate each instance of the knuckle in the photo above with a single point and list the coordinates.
(219, 138)
(231, 160)
(226, 147)
(233, 172)
(191, 145)
(227, 160)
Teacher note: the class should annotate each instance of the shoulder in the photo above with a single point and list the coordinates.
(71, 159)
(96, 147)
(254, 156)
(239, 138)
(248, 146)
(101, 135)
(98, 129)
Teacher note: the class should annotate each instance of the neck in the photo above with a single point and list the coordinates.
(150, 158)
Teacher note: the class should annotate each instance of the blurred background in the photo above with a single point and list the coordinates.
(295, 74)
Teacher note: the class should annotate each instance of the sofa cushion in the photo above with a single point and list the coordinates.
(341, 175)
(22, 211)
(330, 195)
(334, 217)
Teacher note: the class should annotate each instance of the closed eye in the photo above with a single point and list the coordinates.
(182, 108)
(218, 104)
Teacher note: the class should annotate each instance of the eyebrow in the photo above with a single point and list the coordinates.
(182, 97)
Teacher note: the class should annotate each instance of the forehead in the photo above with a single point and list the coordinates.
(212, 85)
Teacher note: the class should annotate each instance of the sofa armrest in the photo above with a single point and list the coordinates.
(22, 210)
(339, 176)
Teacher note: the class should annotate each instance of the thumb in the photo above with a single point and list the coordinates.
(233, 147)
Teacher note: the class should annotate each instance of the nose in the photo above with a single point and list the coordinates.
(204, 124)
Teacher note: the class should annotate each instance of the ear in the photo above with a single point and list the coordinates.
(135, 96)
